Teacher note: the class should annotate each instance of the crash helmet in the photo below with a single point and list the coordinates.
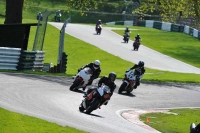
(96, 64)
(112, 76)
(141, 63)
(127, 27)
(138, 35)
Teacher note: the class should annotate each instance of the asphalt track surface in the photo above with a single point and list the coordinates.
(49, 98)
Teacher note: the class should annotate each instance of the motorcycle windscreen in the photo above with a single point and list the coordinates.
(103, 89)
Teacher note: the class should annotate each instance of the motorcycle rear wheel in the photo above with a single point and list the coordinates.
(74, 85)
(122, 87)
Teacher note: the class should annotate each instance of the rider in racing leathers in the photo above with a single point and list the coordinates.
(109, 81)
(95, 67)
(137, 38)
(126, 32)
(139, 68)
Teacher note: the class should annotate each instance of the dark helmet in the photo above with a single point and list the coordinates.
(141, 63)
(96, 64)
(112, 76)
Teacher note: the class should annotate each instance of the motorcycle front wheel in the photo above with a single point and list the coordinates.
(81, 108)
(122, 87)
(92, 107)
(74, 85)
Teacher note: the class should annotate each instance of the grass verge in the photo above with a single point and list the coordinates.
(12, 122)
(176, 121)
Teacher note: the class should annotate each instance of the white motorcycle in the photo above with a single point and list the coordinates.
(81, 79)
(96, 98)
(129, 81)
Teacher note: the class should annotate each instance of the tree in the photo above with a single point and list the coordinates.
(14, 11)
(83, 5)
(170, 10)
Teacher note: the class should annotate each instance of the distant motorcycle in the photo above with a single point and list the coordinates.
(96, 98)
(136, 45)
(98, 29)
(128, 82)
(81, 79)
(58, 18)
(126, 37)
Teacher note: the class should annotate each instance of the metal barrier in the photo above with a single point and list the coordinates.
(31, 60)
(9, 58)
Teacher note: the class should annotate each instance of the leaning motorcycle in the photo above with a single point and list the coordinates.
(97, 97)
(98, 29)
(81, 79)
(129, 81)
(136, 45)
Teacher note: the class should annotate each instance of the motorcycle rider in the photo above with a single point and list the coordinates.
(97, 24)
(194, 128)
(39, 16)
(57, 15)
(126, 32)
(109, 81)
(95, 67)
(139, 69)
(138, 38)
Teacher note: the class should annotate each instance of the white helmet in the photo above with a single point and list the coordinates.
(96, 64)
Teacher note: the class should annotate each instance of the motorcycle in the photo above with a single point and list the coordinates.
(126, 37)
(136, 45)
(81, 79)
(58, 18)
(129, 81)
(97, 97)
(98, 29)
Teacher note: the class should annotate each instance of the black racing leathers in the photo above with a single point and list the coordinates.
(139, 71)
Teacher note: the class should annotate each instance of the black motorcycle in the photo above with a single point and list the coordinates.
(126, 37)
(98, 29)
(136, 45)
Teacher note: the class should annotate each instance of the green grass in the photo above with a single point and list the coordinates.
(12, 122)
(177, 45)
(177, 122)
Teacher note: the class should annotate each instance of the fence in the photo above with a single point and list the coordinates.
(40, 32)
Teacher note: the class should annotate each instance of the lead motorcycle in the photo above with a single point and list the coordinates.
(129, 81)
(81, 79)
(97, 97)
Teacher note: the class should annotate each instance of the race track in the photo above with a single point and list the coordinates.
(49, 97)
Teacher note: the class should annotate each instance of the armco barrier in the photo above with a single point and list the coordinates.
(149, 23)
(166, 26)
(31, 60)
(186, 29)
(175, 28)
(157, 25)
(9, 58)
(142, 23)
(199, 35)
(195, 33)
